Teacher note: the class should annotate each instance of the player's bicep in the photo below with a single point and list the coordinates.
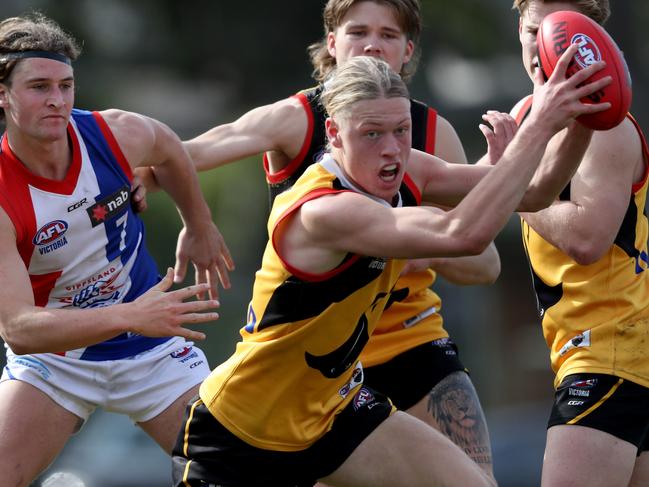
(17, 293)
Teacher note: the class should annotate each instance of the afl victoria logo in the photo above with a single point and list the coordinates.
(50, 232)
(588, 52)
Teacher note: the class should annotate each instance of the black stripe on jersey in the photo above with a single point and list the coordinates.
(296, 299)
(625, 238)
(419, 114)
(546, 295)
(333, 364)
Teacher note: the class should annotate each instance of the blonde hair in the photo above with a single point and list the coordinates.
(408, 15)
(360, 78)
(598, 10)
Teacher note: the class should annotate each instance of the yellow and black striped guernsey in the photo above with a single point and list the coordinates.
(297, 364)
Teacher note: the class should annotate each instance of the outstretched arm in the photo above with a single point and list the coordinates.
(318, 236)
(28, 328)
(279, 127)
(147, 142)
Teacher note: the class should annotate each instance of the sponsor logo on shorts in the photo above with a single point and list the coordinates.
(362, 397)
(30, 363)
(181, 352)
(579, 341)
(584, 384)
(195, 364)
(581, 388)
(578, 392)
(574, 402)
(357, 379)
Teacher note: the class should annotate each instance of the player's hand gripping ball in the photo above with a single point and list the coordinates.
(560, 29)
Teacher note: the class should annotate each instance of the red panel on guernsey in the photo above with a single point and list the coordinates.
(297, 272)
(16, 201)
(112, 143)
(42, 285)
(286, 172)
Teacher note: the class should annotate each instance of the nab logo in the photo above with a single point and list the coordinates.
(588, 52)
(50, 232)
(109, 206)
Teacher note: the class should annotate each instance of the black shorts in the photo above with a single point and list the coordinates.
(218, 457)
(410, 376)
(605, 403)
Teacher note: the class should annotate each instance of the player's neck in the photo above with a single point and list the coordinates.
(45, 158)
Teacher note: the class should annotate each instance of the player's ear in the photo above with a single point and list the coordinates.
(3, 94)
(331, 44)
(410, 49)
(333, 132)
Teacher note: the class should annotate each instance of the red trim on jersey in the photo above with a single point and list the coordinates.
(112, 143)
(645, 152)
(431, 131)
(42, 285)
(413, 187)
(306, 276)
(522, 111)
(65, 186)
(286, 172)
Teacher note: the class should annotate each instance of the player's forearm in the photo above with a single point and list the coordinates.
(486, 209)
(42, 330)
(214, 148)
(561, 159)
(470, 270)
(178, 178)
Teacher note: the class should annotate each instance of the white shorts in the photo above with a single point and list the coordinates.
(140, 387)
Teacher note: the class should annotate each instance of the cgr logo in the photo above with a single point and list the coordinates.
(50, 232)
(588, 52)
(78, 204)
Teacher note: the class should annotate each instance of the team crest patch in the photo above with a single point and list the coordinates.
(579, 341)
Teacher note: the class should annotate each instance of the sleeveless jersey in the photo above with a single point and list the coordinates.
(595, 317)
(82, 244)
(297, 364)
(415, 303)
